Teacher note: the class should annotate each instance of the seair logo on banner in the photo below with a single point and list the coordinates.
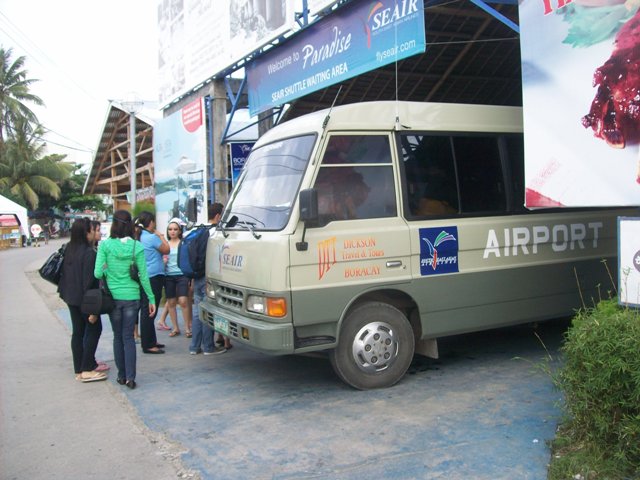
(438, 250)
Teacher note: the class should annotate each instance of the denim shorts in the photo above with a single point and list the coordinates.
(176, 286)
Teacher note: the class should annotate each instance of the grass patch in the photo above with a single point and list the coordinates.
(600, 379)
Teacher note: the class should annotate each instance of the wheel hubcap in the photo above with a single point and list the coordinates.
(375, 347)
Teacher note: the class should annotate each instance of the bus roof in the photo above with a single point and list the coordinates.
(412, 116)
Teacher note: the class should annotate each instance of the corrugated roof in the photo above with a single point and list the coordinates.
(471, 57)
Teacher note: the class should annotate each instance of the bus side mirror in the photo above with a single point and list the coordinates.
(308, 213)
(309, 205)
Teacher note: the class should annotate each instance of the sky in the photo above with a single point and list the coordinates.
(84, 54)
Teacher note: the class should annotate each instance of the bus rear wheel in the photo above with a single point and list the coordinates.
(375, 347)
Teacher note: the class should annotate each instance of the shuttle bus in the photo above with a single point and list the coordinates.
(370, 230)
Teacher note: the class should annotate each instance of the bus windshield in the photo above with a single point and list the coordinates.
(267, 188)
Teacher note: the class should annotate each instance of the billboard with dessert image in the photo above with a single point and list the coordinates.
(581, 99)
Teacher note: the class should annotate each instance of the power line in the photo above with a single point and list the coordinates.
(40, 52)
(67, 138)
(65, 146)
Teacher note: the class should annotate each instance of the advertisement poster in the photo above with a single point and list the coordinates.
(239, 152)
(197, 39)
(581, 98)
(629, 261)
(179, 155)
(355, 39)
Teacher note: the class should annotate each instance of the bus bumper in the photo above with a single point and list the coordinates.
(265, 337)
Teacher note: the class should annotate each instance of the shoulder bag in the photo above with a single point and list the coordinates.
(51, 271)
(134, 273)
(97, 301)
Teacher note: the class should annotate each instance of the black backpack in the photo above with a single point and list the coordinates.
(192, 252)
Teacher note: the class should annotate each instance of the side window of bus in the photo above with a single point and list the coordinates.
(429, 175)
(355, 180)
(515, 154)
(479, 174)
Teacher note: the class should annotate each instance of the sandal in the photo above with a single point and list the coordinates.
(188, 334)
(162, 327)
(175, 333)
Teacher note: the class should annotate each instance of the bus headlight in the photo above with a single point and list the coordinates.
(211, 289)
(271, 306)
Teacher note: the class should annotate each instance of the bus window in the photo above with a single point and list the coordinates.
(349, 190)
(346, 149)
(515, 156)
(429, 175)
(479, 174)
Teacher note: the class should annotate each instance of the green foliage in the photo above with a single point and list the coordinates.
(601, 383)
(71, 197)
(26, 172)
(586, 461)
(14, 94)
(86, 202)
(144, 206)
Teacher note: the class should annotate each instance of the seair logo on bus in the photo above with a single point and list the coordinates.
(228, 260)
(438, 250)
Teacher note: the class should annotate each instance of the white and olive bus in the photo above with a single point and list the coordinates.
(370, 230)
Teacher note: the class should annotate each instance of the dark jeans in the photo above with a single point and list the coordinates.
(84, 340)
(148, 338)
(123, 321)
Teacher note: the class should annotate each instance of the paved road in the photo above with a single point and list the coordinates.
(483, 411)
(53, 427)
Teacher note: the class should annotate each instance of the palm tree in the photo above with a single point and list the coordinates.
(14, 91)
(24, 172)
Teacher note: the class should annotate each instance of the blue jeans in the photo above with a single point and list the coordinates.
(202, 333)
(123, 321)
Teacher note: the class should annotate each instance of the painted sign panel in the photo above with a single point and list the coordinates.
(438, 250)
(357, 38)
(197, 39)
(179, 155)
(629, 261)
(581, 98)
(239, 154)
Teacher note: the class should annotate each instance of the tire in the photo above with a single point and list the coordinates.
(375, 347)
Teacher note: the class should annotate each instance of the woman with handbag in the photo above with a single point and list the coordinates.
(77, 277)
(117, 259)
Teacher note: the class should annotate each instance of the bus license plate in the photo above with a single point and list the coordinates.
(221, 325)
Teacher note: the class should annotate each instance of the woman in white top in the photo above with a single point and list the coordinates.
(176, 284)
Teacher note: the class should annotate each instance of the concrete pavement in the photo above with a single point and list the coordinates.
(53, 427)
(483, 411)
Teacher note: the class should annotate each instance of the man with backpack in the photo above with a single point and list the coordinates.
(202, 339)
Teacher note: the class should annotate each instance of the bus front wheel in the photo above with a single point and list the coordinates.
(375, 347)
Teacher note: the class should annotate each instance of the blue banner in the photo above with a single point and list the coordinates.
(362, 36)
(239, 154)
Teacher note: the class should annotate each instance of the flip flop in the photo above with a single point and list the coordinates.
(174, 333)
(163, 327)
(188, 335)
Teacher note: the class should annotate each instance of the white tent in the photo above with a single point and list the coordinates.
(10, 207)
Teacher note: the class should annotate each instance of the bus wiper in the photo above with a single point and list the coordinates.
(250, 226)
(228, 224)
